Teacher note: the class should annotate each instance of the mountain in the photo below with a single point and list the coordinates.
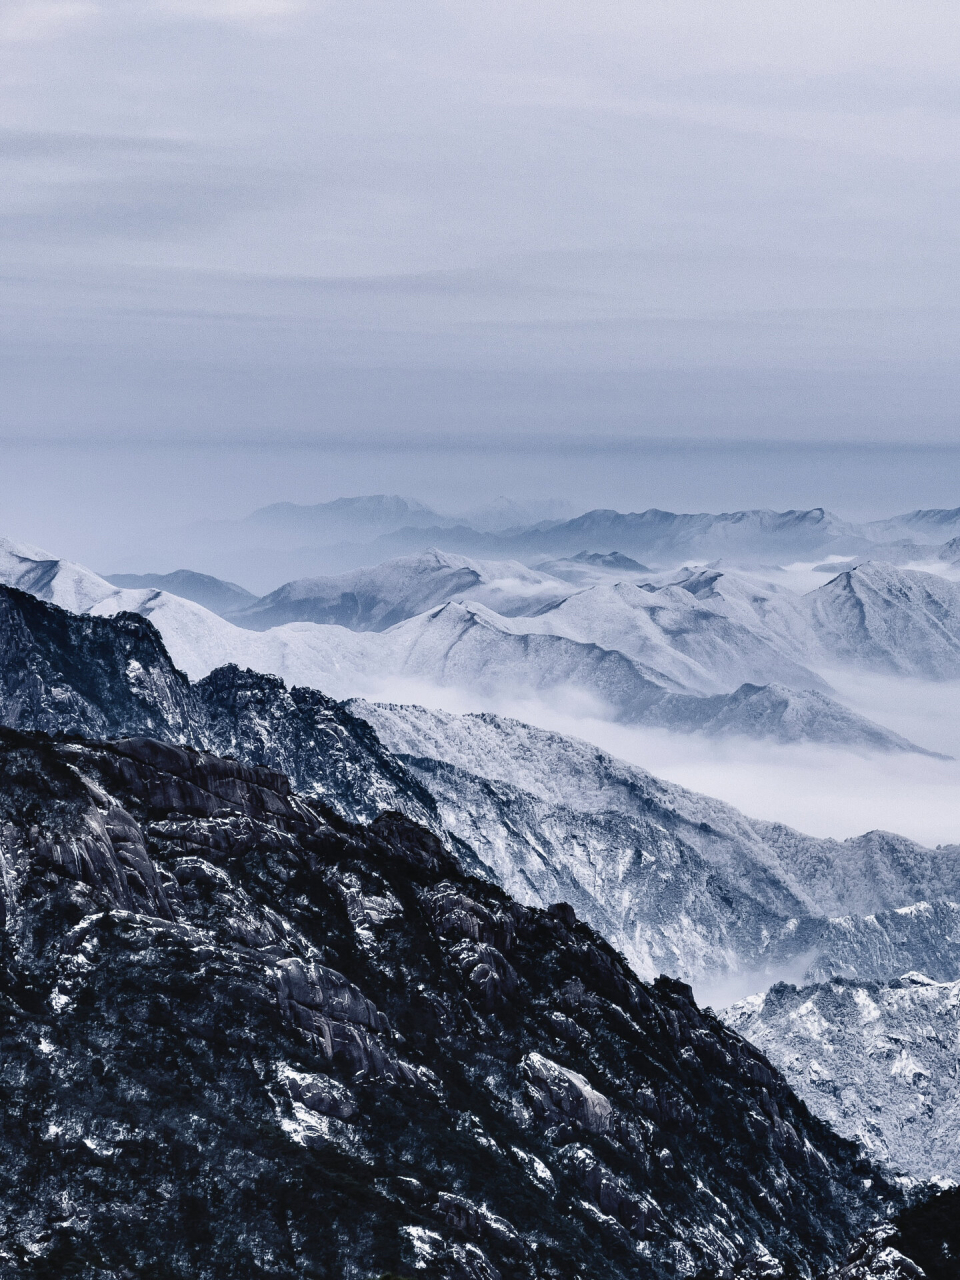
(875, 1256)
(670, 537)
(69, 674)
(238, 1037)
(287, 539)
(684, 642)
(876, 615)
(689, 643)
(661, 537)
(678, 882)
(375, 599)
(507, 513)
(594, 568)
(929, 527)
(58, 581)
(344, 519)
(898, 620)
(614, 560)
(929, 1232)
(62, 672)
(696, 889)
(924, 936)
(877, 1060)
(472, 647)
(214, 594)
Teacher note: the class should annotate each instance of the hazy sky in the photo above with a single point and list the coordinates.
(431, 224)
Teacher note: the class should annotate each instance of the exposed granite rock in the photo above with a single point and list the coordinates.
(241, 1037)
(63, 673)
(874, 1257)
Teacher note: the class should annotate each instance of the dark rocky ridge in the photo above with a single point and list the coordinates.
(63, 673)
(242, 1037)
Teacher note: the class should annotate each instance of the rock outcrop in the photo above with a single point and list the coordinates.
(240, 1036)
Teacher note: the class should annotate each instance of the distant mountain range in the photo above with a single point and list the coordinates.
(644, 658)
(289, 540)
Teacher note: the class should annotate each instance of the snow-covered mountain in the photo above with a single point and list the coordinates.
(678, 881)
(375, 599)
(593, 568)
(691, 644)
(880, 1061)
(929, 527)
(225, 598)
(889, 619)
(877, 616)
(471, 647)
(698, 630)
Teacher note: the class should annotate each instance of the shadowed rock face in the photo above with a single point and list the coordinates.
(64, 673)
(242, 1037)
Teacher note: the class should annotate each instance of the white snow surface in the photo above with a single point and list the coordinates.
(409, 585)
(880, 1061)
(680, 882)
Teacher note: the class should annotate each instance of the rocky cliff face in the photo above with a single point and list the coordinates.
(241, 1037)
(64, 673)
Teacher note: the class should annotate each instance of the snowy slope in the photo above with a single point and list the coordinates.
(699, 630)
(930, 526)
(886, 618)
(680, 882)
(374, 599)
(876, 616)
(58, 581)
(879, 1061)
(690, 642)
(694, 643)
(221, 597)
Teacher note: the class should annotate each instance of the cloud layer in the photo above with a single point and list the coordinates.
(631, 219)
